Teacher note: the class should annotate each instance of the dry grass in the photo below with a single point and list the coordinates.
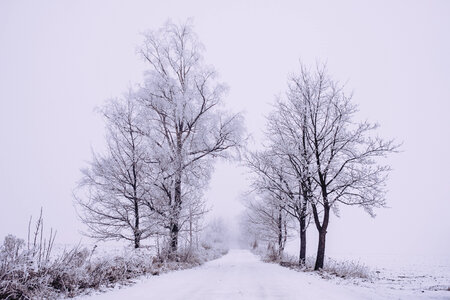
(23, 276)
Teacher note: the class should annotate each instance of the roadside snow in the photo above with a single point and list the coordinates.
(241, 275)
(405, 271)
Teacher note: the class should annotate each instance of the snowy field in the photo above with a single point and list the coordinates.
(242, 275)
(408, 272)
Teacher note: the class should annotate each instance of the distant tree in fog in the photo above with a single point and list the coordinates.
(276, 203)
(277, 172)
(267, 220)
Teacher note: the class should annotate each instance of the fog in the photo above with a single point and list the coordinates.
(59, 60)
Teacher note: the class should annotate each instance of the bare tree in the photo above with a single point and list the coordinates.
(274, 179)
(182, 100)
(288, 136)
(344, 153)
(114, 188)
(267, 220)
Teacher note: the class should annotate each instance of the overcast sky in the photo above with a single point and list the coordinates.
(59, 60)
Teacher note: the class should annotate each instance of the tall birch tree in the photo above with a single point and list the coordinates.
(183, 105)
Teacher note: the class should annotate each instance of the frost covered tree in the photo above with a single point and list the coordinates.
(216, 234)
(114, 188)
(182, 100)
(277, 188)
(342, 154)
(285, 164)
(288, 137)
(267, 220)
(160, 197)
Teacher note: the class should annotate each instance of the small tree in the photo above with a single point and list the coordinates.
(114, 187)
(277, 185)
(267, 220)
(288, 136)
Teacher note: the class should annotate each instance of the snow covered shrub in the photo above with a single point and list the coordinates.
(106, 271)
(31, 272)
(24, 276)
(72, 272)
(13, 268)
(212, 243)
(344, 269)
(76, 270)
(272, 254)
(24, 271)
(347, 269)
(332, 267)
(290, 261)
(206, 245)
(215, 235)
(67, 272)
(192, 256)
(9, 251)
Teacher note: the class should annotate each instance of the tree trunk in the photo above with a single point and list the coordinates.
(302, 220)
(137, 232)
(302, 257)
(280, 234)
(196, 234)
(137, 239)
(190, 228)
(157, 245)
(173, 239)
(320, 258)
(174, 229)
(176, 205)
(321, 250)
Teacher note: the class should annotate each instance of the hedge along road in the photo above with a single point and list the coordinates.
(242, 275)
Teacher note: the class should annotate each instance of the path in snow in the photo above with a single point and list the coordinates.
(241, 275)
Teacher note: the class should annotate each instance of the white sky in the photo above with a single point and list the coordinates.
(60, 59)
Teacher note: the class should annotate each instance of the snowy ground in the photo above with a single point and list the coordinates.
(408, 272)
(241, 275)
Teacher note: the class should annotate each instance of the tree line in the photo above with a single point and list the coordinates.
(162, 137)
(316, 157)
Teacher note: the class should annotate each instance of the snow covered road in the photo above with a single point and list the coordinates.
(241, 275)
